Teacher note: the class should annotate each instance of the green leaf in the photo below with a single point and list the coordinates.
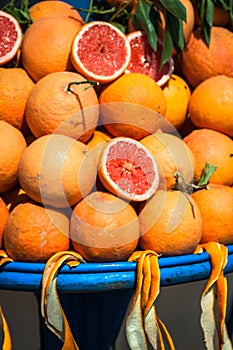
(175, 27)
(146, 17)
(167, 48)
(209, 12)
(119, 26)
(175, 7)
(206, 174)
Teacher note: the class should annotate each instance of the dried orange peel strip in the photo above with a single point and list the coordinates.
(218, 258)
(51, 308)
(143, 325)
(6, 343)
(4, 258)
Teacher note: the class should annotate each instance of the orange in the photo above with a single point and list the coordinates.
(34, 233)
(170, 223)
(215, 148)
(104, 227)
(132, 106)
(128, 169)
(173, 157)
(177, 94)
(12, 147)
(216, 207)
(51, 8)
(11, 37)
(46, 46)
(4, 214)
(200, 61)
(100, 51)
(57, 170)
(211, 104)
(15, 86)
(51, 108)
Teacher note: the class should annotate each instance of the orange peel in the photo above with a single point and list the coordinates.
(51, 309)
(218, 258)
(7, 343)
(142, 321)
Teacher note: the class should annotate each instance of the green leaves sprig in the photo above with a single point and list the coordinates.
(148, 18)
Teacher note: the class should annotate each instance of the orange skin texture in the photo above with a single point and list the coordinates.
(141, 109)
(215, 148)
(46, 46)
(12, 147)
(216, 207)
(55, 9)
(104, 227)
(200, 62)
(15, 86)
(4, 214)
(170, 223)
(50, 108)
(177, 94)
(172, 156)
(211, 104)
(34, 234)
(53, 170)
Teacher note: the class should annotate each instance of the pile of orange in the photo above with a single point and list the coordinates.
(55, 122)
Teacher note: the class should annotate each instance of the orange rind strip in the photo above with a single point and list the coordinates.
(218, 258)
(143, 326)
(51, 309)
(4, 258)
(6, 343)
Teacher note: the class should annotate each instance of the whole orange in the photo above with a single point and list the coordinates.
(132, 106)
(177, 94)
(15, 86)
(46, 46)
(52, 108)
(34, 233)
(104, 227)
(211, 104)
(216, 206)
(12, 147)
(200, 61)
(48, 8)
(215, 148)
(57, 170)
(4, 214)
(173, 157)
(170, 223)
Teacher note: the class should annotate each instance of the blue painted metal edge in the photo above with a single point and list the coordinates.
(90, 277)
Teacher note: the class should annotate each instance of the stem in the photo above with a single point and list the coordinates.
(89, 13)
(69, 90)
(120, 10)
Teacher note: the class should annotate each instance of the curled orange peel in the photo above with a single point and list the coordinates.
(6, 342)
(4, 258)
(143, 326)
(51, 309)
(218, 258)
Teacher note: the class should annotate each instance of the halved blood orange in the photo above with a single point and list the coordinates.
(147, 61)
(128, 169)
(100, 51)
(10, 37)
